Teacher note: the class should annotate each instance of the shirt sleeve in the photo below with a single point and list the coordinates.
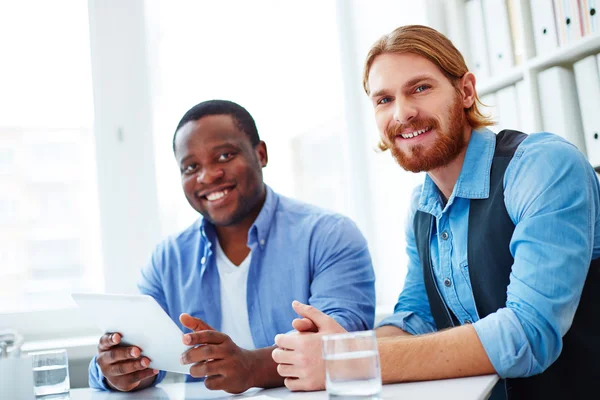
(343, 284)
(551, 195)
(151, 278)
(149, 283)
(412, 313)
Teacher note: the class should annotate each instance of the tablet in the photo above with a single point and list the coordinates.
(142, 322)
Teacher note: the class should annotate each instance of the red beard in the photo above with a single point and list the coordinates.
(448, 145)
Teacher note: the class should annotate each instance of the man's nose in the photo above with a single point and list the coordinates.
(209, 175)
(404, 111)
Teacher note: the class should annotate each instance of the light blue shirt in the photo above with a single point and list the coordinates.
(299, 252)
(551, 194)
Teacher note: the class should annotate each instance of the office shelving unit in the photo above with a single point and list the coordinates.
(533, 62)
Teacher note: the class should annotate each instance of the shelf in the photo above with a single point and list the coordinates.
(569, 53)
(494, 84)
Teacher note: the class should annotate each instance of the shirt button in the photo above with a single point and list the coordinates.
(202, 260)
(445, 235)
(262, 242)
(447, 282)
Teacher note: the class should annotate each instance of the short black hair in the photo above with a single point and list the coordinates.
(240, 115)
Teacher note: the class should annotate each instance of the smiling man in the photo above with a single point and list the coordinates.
(251, 252)
(504, 271)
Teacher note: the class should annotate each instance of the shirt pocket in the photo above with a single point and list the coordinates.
(464, 270)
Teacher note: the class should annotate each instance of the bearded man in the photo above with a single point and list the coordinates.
(504, 271)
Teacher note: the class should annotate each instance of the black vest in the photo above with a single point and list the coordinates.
(576, 372)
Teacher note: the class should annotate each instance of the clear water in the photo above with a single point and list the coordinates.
(354, 375)
(51, 380)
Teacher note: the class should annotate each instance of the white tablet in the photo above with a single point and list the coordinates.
(142, 322)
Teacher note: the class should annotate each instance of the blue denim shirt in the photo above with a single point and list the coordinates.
(299, 252)
(551, 194)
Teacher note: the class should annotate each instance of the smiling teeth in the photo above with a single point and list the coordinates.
(413, 134)
(216, 195)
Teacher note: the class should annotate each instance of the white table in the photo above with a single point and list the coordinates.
(477, 387)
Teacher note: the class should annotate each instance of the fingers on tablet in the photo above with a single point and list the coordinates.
(129, 367)
(109, 340)
(118, 354)
(140, 375)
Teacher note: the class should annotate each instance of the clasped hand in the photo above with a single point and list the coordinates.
(299, 354)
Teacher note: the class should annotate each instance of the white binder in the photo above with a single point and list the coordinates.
(589, 16)
(515, 20)
(524, 104)
(508, 111)
(559, 106)
(477, 45)
(568, 20)
(587, 76)
(544, 26)
(495, 15)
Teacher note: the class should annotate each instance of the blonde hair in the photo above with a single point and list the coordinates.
(435, 47)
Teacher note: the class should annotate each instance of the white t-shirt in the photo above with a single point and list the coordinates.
(234, 307)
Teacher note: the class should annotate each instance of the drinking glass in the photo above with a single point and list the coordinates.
(51, 375)
(352, 366)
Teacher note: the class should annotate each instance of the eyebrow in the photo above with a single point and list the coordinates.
(410, 83)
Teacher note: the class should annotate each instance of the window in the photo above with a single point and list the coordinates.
(49, 230)
(278, 59)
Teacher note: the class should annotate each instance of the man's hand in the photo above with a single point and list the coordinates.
(299, 354)
(122, 366)
(225, 365)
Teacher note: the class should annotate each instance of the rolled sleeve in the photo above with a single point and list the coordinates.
(409, 322)
(506, 344)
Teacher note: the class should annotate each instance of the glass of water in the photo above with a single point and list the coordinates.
(352, 366)
(51, 375)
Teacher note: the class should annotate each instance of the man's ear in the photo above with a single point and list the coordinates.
(467, 89)
(261, 153)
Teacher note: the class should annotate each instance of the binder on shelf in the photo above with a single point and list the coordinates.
(559, 106)
(477, 44)
(568, 20)
(587, 77)
(507, 109)
(499, 41)
(516, 22)
(589, 16)
(525, 111)
(544, 26)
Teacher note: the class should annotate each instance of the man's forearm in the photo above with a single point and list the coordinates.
(265, 369)
(452, 353)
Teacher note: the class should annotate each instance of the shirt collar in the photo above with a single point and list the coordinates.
(474, 179)
(260, 228)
